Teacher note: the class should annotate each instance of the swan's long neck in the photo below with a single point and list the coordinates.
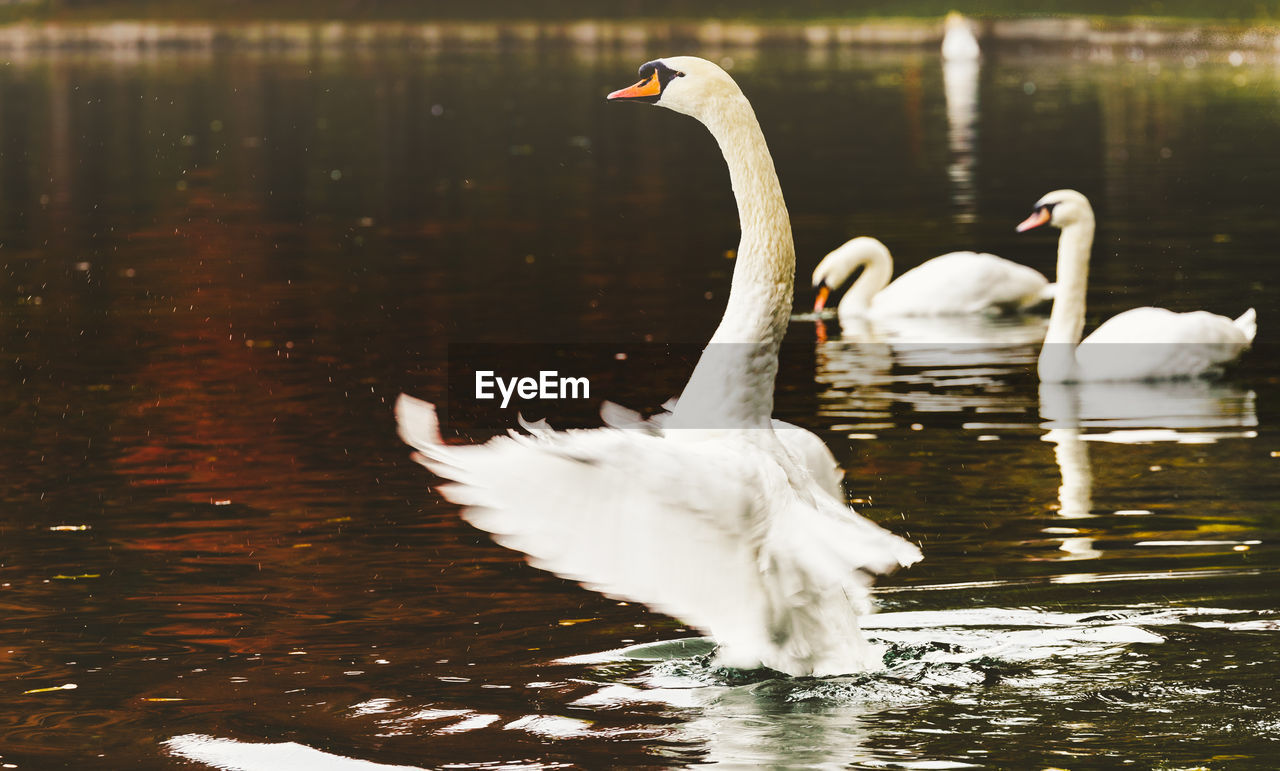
(732, 385)
(1066, 321)
(876, 272)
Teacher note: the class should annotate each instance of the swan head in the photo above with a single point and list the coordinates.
(835, 270)
(685, 84)
(1061, 208)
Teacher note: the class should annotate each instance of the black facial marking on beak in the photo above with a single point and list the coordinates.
(820, 299)
(665, 73)
(654, 77)
(1039, 216)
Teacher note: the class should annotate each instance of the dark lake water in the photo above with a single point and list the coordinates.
(219, 271)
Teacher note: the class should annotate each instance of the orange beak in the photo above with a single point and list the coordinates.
(1038, 217)
(820, 301)
(650, 87)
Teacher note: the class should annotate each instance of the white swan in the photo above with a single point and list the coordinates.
(957, 283)
(1138, 344)
(958, 41)
(707, 516)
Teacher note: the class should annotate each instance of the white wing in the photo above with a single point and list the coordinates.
(808, 449)
(1154, 343)
(960, 283)
(804, 446)
(710, 531)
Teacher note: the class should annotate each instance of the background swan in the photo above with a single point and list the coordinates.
(707, 515)
(1139, 344)
(952, 284)
(958, 41)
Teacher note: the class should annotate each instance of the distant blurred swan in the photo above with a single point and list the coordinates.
(707, 515)
(1139, 344)
(958, 41)
(957, 283)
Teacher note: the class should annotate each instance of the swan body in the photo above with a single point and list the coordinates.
(707, 514)
(1138, 344)
(958, 283)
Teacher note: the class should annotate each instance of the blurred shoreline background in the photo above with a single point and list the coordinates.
(50, 25)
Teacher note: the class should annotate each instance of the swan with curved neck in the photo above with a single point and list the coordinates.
(958, 283)
(732, 528)
(732, 384)
(1139, 344)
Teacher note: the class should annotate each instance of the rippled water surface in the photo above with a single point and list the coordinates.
(219, 271)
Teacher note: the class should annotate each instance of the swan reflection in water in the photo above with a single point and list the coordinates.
(961, 66)
(1194, 411)
(929, 364)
